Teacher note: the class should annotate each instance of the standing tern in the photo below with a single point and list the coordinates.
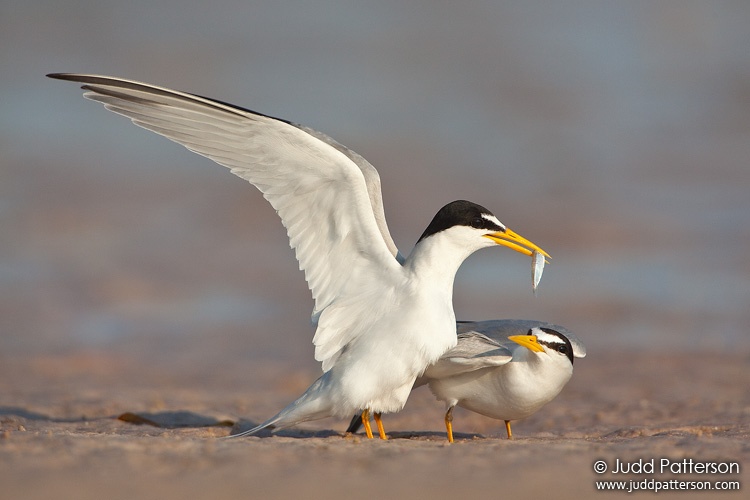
(381, 318)
(503, 369)
(539, 366)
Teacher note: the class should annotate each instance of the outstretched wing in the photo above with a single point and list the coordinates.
(327, 196)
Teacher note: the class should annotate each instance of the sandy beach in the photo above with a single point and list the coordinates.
(60, 433)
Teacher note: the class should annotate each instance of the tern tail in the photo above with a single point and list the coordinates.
(312, 405)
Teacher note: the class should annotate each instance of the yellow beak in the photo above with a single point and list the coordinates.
(528, 341)
(516, 242)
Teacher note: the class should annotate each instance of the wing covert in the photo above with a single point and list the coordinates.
(474, 351)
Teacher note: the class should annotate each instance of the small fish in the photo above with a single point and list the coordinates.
(537, 268)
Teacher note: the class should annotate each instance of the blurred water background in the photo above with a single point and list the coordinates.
(616, 135)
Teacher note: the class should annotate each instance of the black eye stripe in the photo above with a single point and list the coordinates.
(483, 223)
(555, 346)
(562, 343)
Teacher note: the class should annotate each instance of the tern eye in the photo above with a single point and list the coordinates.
(562, 349)
(477, 223)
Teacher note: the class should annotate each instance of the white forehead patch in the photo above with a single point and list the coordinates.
(494, 220)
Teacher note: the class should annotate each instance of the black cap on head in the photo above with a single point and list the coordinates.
(460, 213)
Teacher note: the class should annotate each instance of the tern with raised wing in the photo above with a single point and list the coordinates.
(380, 318)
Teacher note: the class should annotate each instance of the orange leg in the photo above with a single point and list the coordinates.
(381, 430)
(507, 429)
(366, 423)
(449, 424)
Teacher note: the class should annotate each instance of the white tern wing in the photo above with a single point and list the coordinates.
(327, 196)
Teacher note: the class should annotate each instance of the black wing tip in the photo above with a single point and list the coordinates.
(61, 76)
(83, 77)
(355, 424)
(91, 79)
(70, 77)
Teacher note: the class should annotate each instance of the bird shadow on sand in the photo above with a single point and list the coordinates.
(181, 419)
(173, 419)
(164, 419)
(9, 412)
(245, 425)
